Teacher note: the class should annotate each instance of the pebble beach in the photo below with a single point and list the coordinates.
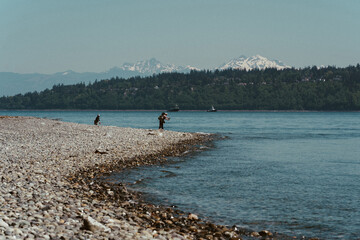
(51, 184)
(37, 198)
(48, 179)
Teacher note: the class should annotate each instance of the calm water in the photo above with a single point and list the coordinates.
(294, 173)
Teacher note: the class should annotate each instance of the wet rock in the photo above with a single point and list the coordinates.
(235, 238)
(192, 216)
(265, 233)
(209, 237)
(255, 234)
(212, 227)
(193, 229)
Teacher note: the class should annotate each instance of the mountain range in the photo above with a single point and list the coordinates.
(16, 83)
(254, 62)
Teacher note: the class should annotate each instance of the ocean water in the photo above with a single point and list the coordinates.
(296, 173)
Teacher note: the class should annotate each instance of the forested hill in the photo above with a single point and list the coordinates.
(328, 88)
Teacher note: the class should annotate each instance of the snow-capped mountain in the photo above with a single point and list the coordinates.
(254, 62)
(15, 83)
(152, 66)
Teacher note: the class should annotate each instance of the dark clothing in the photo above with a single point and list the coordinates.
(97, 120)
(161, 121)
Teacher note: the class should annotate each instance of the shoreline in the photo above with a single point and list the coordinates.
(49, 173)
(51, 189)
(40, 199)
(156, 110)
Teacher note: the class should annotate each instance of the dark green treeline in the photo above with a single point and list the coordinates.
(310, 88)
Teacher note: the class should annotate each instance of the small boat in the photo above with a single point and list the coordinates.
(174, 109)
(212, 109)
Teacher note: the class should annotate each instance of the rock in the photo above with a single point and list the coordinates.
(210, 237)
(23, 223)
(91, 224)
(192, 216)
(169, 222)
(100, 151)
(255, 234)
(193, 229)
(218, 234)
(265, 233)
(3, 224)
(17, 232)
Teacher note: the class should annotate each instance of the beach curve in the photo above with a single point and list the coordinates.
(50, 189)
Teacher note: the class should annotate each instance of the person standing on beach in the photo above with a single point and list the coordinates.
(97, 120)
(162, 119)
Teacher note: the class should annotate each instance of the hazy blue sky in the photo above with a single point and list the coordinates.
(48, 36)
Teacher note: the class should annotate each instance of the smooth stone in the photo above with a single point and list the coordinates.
(3, 224)
(255, 234)
(192, 216)
(93, 225)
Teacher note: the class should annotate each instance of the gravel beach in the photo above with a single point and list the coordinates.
(49, 187)
(37, 198)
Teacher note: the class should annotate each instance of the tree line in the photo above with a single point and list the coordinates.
(310, 88)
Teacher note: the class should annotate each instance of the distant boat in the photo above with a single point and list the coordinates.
(212, 109)
(174, 109)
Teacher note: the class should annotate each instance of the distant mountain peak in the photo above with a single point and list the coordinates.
(66, 72)
(254, 62)
(15, 83)
(153, 66)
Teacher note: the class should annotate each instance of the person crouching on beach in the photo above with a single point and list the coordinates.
(97, 120)
(162, 119)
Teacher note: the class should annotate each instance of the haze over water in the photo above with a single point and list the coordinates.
(296, 173)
